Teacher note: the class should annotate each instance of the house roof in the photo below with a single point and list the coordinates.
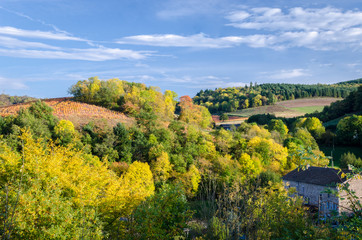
(323, 176)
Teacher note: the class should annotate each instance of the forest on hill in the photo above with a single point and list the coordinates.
(167, 176)
(236, 98)
(351, 104)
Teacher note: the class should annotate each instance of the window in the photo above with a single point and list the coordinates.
(335, 206)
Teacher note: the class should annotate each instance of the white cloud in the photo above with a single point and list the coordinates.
(172, 40)
(319, 29)
(6, 30)
(11, 84)
(14, 47)
(198, 40)
(355, 66)
(299, 19)
(9, 42)
(211, 83)
(186, 81)
(90, 54)
(287, 74)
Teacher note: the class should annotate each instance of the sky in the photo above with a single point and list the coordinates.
(181, 45)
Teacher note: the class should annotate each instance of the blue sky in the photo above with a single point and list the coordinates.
(181, 45)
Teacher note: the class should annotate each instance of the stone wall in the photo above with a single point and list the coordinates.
(355, 184)
(315, 195)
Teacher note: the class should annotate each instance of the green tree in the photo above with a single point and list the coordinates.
(123, 143)
(279, 126)
(349, 130)
(350, 159)
(38, 118)
(162, 216)
(224, 117)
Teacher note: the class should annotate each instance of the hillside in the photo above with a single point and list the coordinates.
(351, 82)
(232, 99)
(78, 113)
(287, 109)
(350, 105)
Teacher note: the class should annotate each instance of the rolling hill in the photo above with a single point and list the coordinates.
(77, 112)
(288, 109)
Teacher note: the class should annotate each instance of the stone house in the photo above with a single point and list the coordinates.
(312, 183)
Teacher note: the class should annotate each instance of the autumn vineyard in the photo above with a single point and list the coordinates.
(66, 108)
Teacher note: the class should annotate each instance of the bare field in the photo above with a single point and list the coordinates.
(308, 102)
(278, 110)
(287, 109)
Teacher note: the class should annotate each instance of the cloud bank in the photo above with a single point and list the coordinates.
(12, 44)
(317, 29)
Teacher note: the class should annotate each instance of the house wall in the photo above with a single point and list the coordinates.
(314, 195)
(355, 185)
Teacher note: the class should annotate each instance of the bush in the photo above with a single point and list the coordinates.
(350, 159)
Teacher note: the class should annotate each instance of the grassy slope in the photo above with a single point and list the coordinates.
(278, 110)
(308, 109)
(290, 108)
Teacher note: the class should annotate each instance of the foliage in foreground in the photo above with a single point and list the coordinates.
(54, 192)
(162, 216)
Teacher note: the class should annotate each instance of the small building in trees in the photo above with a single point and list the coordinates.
(228, 126)
(317, 185)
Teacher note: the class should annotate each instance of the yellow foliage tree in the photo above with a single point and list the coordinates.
(255, 130)
(59, 192)
(136, 184)
(250, 166)
(271, 153)
(170, 103)
(194, 114)
(161, 168)
(191, 180)
(65, 131)
(301, 156)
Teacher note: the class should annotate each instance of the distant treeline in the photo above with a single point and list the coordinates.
(6, 100)
(237, 98)
(343, 121)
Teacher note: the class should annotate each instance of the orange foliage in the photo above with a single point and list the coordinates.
(65, 107)
(194, 114)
